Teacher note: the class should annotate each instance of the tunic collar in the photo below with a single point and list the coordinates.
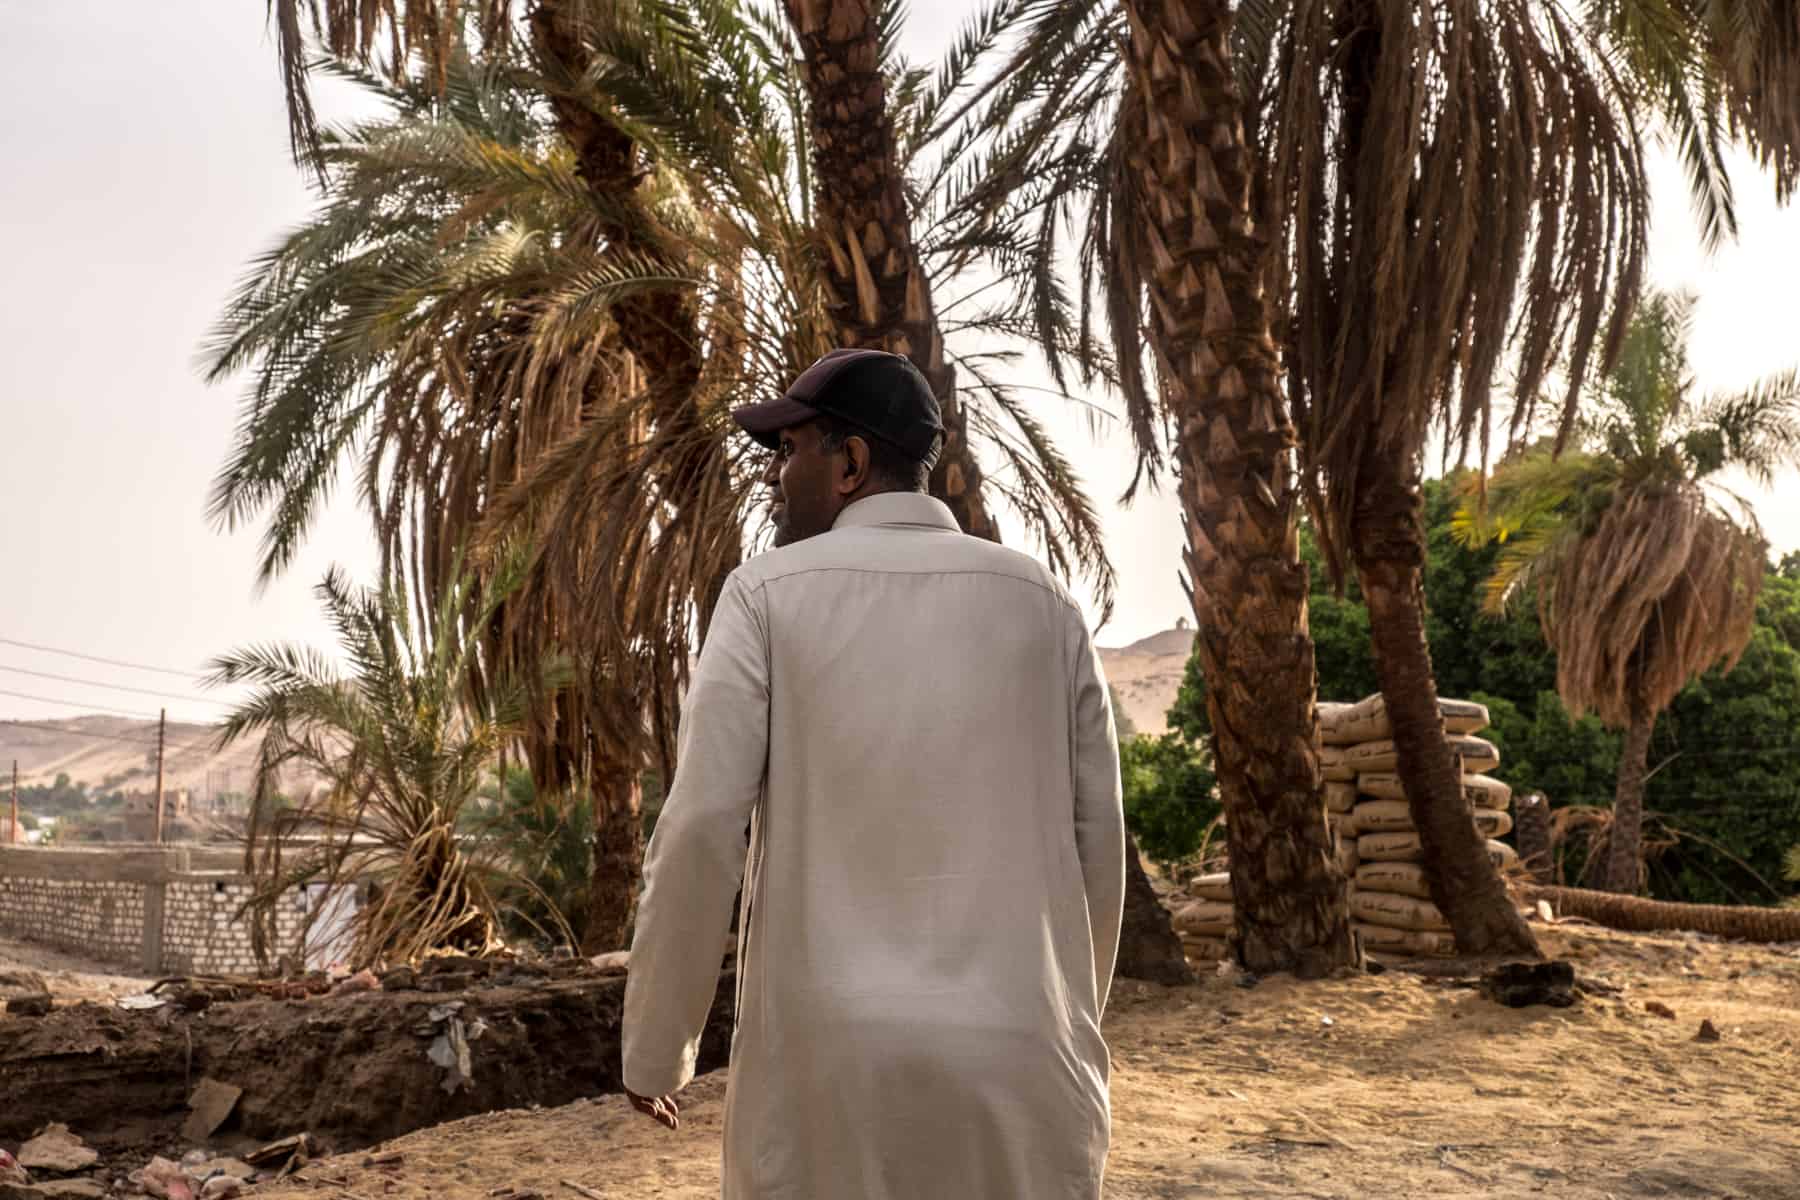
(898, 508)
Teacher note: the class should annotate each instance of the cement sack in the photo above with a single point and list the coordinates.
(1216, 887)
(1379, 939)
(1335, 766)
(1367, 757)
(1493, 824)
(1396, 912)
(1347, 857)
(1432, 943)
(1395, 878)
(1208, 918)
(1482, 791)
(1404, 847)
(1340, 797)
(1205, 949)
(1478, 755)
(1367, 720)
(1383, 816)
(1342, 825)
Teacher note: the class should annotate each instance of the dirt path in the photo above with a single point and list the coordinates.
(70, 978)
(1413, 1089)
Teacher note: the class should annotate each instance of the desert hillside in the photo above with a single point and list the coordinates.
(1147, 674)
(121, 752)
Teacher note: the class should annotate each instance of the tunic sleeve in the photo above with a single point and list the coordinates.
(696, 857)
(1099, 812)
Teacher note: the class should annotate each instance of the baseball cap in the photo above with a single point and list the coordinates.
(881, 394)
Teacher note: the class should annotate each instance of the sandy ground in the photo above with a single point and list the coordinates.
(1390, 1086)
(70, 978)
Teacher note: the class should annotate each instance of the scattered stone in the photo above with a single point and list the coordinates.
(392, 1158)
(20, 982)
(212, 1103)
(1708, 1032)
(1521, 984)
(237, 1168)
(363, 981)
(221, 1187)
(29, 1004)
(616, 962)
(276, 1153)
(57, 1150)
(141, 1003)
(400, 979)
(1658, 1008)
(53, 1189)
(162, 1178)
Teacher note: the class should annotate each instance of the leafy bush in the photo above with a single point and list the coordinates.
(1169, 802)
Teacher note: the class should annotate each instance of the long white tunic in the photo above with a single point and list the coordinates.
(913, 726)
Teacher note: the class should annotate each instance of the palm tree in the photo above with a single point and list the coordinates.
(401, 744)
(443, 318)
(503, 323)
(1644, 577)
(1434, 189)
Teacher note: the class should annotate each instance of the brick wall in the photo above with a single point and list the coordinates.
(154, 910)
(94, 918)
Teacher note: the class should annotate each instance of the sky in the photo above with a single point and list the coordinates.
(146, 161)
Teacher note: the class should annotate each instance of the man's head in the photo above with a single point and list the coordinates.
(856, 423)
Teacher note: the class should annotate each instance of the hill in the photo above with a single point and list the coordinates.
(120, 752)
(1147, 675)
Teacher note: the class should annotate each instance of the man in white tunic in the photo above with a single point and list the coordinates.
(912, 725)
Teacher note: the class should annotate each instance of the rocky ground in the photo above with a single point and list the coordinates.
(65, 976)
(1393, 1085)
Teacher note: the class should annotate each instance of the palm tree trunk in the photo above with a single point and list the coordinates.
(1234, 451)
(618, 858)
(1388, 543)
(1624, 854)
(1148, 946)
(661, 330)
(880, 294)
(1742, 923)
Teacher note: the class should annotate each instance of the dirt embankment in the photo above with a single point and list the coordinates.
(1392, 1086)
(351, 1070)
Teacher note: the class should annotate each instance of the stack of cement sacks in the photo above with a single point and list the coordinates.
(1373, 834)
(1202, 914)
(1390, 903)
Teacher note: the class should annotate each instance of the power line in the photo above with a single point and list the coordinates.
(117, 687)
(111, 662)
(108, 737)
(87, 733)
(123, 712)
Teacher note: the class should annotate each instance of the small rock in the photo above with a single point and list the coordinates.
(221, 1187)
(29, 1004)
(212, 1103)
(53, 1189)
(1658, 1008)
(1519, 984)
(57, 1150)
(400, 979)
(363, 981)
(615, 962)
(1708, 1032)
(17, 982)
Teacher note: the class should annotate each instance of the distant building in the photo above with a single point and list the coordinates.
(140, 812)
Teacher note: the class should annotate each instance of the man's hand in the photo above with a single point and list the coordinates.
(662, 1109)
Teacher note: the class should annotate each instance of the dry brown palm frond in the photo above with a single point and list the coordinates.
(1458, 183)
(1756, 44)
(1662, 590)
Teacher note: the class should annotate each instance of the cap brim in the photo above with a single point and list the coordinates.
(764, 422)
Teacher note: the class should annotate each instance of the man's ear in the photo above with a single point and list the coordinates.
(856, 466)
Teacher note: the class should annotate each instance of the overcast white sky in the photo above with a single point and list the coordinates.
(146, 161)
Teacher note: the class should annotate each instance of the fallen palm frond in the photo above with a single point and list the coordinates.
(401, 744)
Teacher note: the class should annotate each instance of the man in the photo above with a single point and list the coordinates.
(913, 726)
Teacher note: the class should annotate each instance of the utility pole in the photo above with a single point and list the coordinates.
(162, 722)
(15, 805)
